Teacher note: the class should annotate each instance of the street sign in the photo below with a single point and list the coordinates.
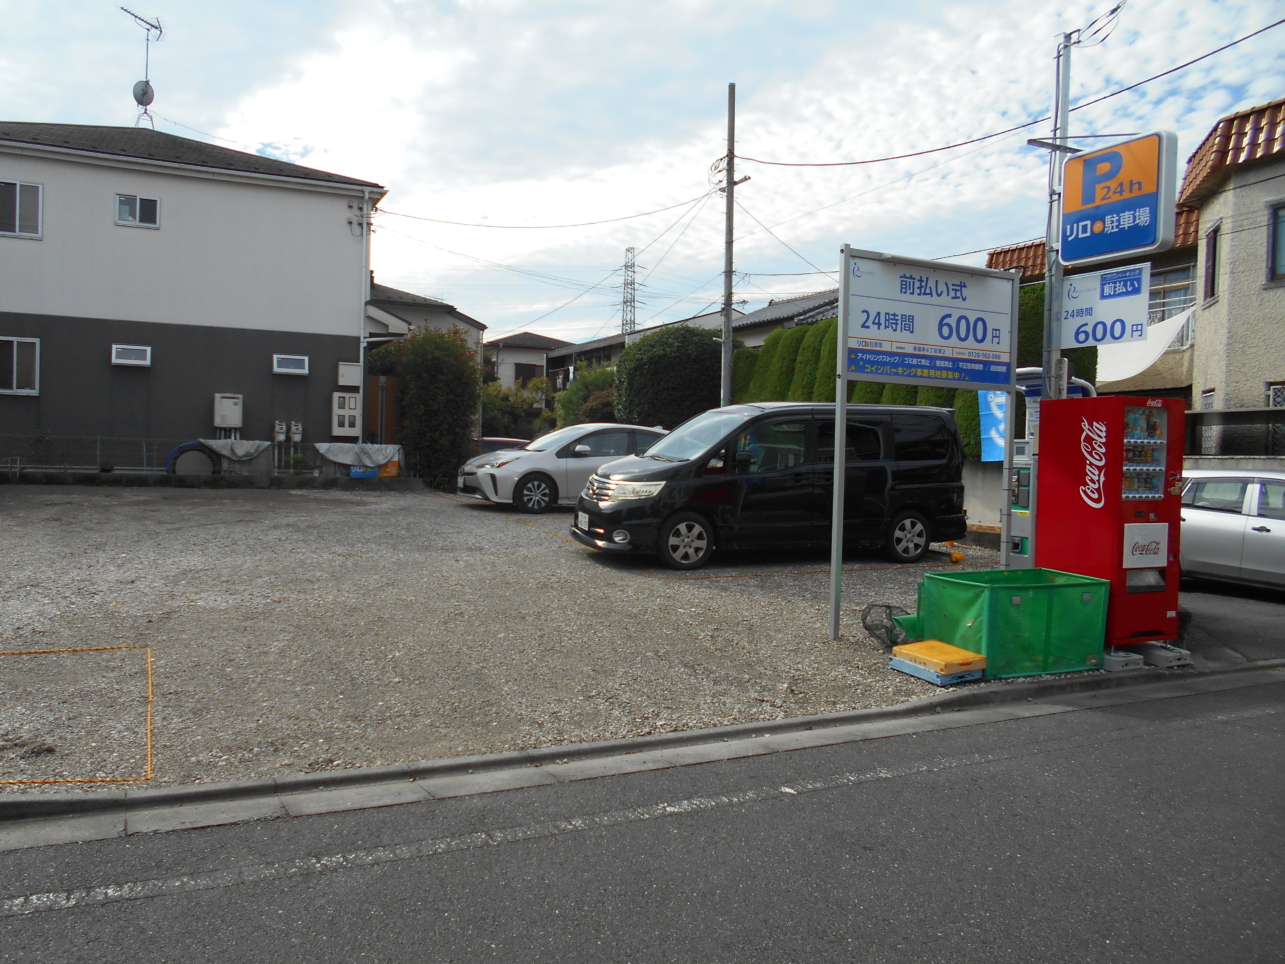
(912, 322)
(1105, 307)
(1118, 201)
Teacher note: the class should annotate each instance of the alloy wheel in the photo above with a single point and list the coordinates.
(688, 542)
(909, 538)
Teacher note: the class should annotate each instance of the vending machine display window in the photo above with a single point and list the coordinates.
(1145, 433)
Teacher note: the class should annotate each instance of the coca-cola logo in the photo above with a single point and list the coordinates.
(1093, 445)
(1146, 548)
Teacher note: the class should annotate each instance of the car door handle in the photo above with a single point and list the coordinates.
(1261, 529)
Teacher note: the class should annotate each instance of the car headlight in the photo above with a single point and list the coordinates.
(634, 490)
(499, 463)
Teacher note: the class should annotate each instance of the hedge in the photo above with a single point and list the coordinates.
(668, 376)
(758, 390)
(899, 395)
(744, 364)
(935, 396)
(806, 365)
(823, 384)
(969, 420)
(781, 372)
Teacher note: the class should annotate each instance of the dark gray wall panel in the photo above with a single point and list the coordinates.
(83, 393)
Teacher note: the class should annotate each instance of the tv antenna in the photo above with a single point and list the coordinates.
(144, 94)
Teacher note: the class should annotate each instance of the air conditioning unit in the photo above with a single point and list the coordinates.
(227, 411)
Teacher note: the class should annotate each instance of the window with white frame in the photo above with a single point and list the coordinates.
(1173, 291)
(138, 212)
(20, 209)
(290, 364)
(19, 366)
(137, 355)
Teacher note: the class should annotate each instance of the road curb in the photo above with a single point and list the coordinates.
(29, 806)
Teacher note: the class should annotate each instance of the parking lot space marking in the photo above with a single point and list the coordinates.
(147, 772)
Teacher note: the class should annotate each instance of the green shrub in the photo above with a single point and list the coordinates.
(439, 393)
(569, 402)
(823, 384)
(969, 420)
(514, 412)
(758, 390)
(744, 364)
(936, 396)
(782, 373)
(599, 407)
(805, 365)
(867, 393)
(668, 376)
(899, 395)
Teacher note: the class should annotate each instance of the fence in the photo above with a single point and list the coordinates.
(1236, 431)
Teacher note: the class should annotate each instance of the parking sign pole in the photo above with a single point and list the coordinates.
(840, 444)
(1053, 383)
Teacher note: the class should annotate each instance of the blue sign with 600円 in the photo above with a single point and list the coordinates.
(913, 322)
(1105, 307)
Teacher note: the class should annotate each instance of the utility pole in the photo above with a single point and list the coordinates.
(729, 192)
(628, 324)
(1053, 384)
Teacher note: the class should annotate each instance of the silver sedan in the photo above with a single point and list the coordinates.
(553, 469)
(1233, 525)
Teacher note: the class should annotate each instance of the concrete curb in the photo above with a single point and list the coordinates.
(28, 806)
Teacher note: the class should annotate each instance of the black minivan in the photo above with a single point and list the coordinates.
(762, 474)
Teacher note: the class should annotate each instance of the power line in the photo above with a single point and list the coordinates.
(545, 227)
(769, 231)
(1019, 127)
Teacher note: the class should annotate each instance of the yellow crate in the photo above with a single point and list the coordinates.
(940, 657)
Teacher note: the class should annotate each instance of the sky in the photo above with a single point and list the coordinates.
(519, 113)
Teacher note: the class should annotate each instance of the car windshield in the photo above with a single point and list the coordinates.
(554, 439)
(695, 436)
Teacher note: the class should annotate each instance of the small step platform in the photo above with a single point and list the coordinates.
(937, 662)
(939, 679)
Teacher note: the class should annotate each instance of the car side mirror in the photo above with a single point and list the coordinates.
(743, 461)
(581, 450)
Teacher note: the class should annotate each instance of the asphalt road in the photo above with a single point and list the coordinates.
(1145, 831)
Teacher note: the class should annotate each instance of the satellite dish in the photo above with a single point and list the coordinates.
(143, 93)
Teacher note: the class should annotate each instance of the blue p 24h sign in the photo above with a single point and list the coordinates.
(1118, 201)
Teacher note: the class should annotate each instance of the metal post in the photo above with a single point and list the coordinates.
(364, 219)
(1052, 385)
(730, 193)
(1010, 417)
(840, 446)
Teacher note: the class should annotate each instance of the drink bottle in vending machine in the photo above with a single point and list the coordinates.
(1110, 502)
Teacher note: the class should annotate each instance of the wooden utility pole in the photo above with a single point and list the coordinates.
(729, 193)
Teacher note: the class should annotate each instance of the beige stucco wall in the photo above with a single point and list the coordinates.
(1240, 333)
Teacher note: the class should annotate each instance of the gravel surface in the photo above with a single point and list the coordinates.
(304, 630)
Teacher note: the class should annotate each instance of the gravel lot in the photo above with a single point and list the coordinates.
(303, 630)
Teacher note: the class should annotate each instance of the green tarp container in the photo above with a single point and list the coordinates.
(1024, 621)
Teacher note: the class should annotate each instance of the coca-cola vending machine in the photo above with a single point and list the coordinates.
(1110, 500)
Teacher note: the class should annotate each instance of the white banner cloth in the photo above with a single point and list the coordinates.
(349, 453)
(238, 450)
(1118, 362)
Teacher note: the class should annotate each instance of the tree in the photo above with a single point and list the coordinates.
(570, 402)
(805, 366)
(513, 412)
(758, 390)
(668, 376)
(899, 395)
(439, 394)
(969, 420)
(935, 395)
(744, 364)
(599, 407)
(823, 384)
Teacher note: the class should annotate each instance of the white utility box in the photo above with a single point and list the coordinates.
(343, 414)
(349, 374)
(227, 411)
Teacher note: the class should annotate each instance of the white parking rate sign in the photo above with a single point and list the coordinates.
(1105, 307)
(912, 322)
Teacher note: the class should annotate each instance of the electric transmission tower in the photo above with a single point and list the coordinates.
(628, 299)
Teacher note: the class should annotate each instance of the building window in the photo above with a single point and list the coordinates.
(1276, 245)
(1208, 433)
(1173, 291)
(138, 212)
(20, 366)
(1211, 264)
(137, 355)
(524, 373)
(290, 364)
(20, 209)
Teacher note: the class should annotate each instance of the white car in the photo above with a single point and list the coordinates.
(553, 469)
(1233, 525)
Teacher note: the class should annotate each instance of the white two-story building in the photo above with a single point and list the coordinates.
(142, 274)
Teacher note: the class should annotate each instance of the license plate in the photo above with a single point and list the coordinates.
(582, 521)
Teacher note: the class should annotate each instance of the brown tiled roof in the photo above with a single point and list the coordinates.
(1250, 135)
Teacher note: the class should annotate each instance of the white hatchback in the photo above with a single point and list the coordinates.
(553, 469)
(1233, 525)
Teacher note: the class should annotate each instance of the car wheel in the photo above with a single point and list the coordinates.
(908, 537)
(535, 494)
(686, 540)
